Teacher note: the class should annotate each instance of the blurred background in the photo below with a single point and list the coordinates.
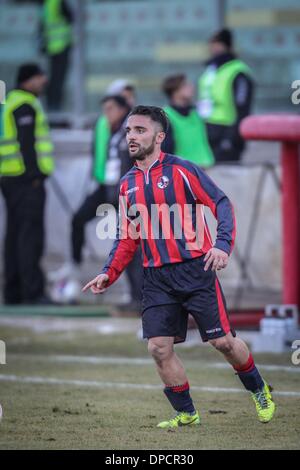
(73, 357)
(143, 42)
(147, 40)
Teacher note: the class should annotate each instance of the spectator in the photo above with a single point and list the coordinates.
(57, 19)
(225, 97)
(26, 161)
(120, 87)
(186, 135)
(115, 165)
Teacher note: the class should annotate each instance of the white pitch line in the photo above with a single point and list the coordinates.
(126, 385)
(267, 367)
(141, 361)
(85, 359)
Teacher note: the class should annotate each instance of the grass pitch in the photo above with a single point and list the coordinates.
(80, 389)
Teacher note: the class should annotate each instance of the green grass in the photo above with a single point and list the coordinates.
(47, 416)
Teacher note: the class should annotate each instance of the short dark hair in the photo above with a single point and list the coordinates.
(27, 71)
(119, 99)
(224, 36)
(172, 83)
(155, 113)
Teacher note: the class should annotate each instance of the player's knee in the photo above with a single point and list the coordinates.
(224, 344)
(160, 352)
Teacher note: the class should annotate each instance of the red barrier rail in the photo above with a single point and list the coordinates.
(286, 130)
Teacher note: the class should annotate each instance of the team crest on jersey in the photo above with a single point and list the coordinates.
(163, 182)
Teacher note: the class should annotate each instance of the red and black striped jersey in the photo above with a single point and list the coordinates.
(162, 209)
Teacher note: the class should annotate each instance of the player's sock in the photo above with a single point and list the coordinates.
(250, 376)
(179, 397)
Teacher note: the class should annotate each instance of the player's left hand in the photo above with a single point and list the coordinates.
(215, 258)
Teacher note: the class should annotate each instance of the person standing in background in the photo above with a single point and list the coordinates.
(26, 159)
(102, 133)
(186, 134)
(225, 97)
(57, 19)
(114, 164)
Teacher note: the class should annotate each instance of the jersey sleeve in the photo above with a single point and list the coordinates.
(206, 192)
(125, 245)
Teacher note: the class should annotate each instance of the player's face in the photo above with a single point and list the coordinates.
(143, 136)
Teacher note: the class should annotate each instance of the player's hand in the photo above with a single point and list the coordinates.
(215, 258)
(97, 285)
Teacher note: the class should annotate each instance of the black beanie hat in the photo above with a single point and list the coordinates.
(224, 36)
(27, 71)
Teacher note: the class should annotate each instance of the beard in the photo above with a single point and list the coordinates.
(143, 152)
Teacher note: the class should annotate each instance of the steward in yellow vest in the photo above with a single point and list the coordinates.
(26, 159)
(57, 19)
(225, 98)
(23, 117)
(186, 136)
(57, 26)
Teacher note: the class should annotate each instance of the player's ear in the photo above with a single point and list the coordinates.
(160, 137)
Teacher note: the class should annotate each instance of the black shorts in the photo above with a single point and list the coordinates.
(173, 291)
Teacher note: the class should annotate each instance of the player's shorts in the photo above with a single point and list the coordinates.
(173, 291)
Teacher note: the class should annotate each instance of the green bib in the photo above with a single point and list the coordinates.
(58, 32)
(102, 136)
(11, 159)
(190, 137)
(216, 103)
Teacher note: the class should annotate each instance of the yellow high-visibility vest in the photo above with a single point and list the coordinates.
(11, 159)
(58, 31)
(191, 142)
(216, 102)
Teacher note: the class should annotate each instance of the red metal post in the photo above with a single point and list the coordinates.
(285, 129)
(290, 222)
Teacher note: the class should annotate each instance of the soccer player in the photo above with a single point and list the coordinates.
(180, 262)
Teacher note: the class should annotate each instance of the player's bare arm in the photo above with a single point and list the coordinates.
(216, 258)
(98, 285)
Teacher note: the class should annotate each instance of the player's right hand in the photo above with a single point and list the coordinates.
(97, 285)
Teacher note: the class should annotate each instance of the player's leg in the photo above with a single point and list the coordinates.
(236, 352)
(168, 364)
(208, 307)
(238, 355)
(165, 323)
(173, 375)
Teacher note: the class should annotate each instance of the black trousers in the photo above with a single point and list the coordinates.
(87, 212)
(216, 135)
(58, 70)
(24, 240)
